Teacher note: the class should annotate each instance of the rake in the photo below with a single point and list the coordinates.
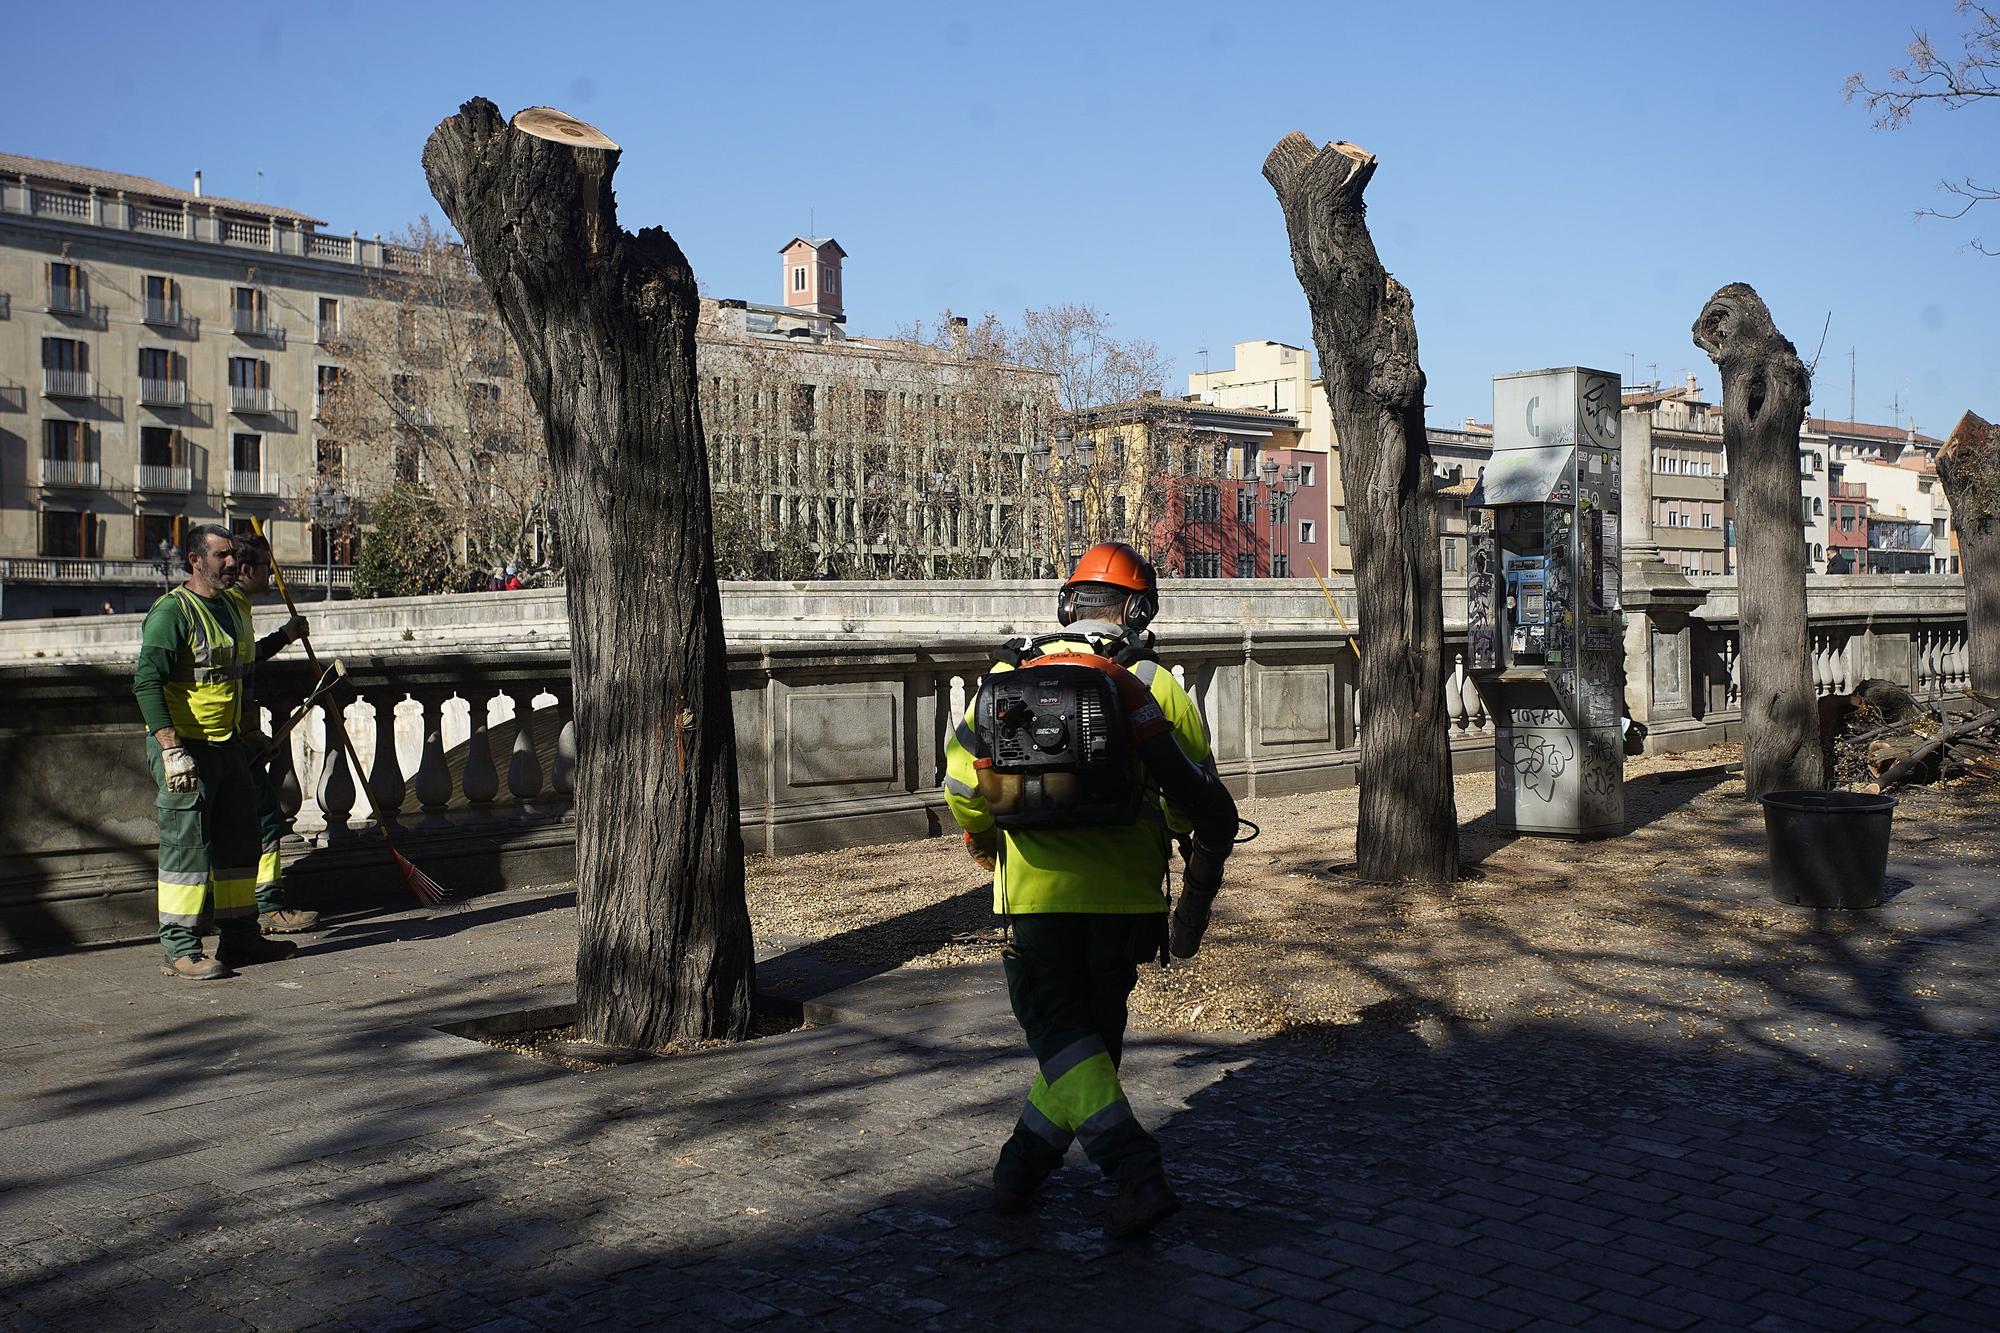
(426, 890)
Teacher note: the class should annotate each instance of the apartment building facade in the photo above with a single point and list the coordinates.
(1206, 491)
(833, 454)
(1459, 455)
(160, 352)
(1278, 378)
(1907, 523)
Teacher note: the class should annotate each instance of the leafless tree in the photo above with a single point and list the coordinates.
(1969, 469)
(427, 392)
(1947, 78)
(1364, 325)
(605, 322)
(1092, 367)
(1764, 392)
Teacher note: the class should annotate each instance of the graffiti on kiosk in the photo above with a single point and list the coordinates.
(1540, 761)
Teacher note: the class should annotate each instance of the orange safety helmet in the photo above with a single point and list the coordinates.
(1115, 575)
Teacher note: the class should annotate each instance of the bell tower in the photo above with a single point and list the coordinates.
(812, 276)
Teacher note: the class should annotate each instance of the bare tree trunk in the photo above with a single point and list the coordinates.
(1366, 332)
(605, 321)
(1969, 468)
(1764, 392)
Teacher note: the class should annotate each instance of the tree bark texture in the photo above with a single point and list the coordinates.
(1969, 469)
(1764, 394)
(605, 322)
(1366, 333)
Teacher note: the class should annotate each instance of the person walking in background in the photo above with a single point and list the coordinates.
(276, 913)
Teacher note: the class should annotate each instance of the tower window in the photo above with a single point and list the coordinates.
(799, 278)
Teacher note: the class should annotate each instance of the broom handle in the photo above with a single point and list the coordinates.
(333, 717)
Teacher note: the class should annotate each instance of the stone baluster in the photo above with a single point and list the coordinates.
(1457, 720)
(524, 766)
(1924, 675)
(1961, 660)
(433, 782)
(1843, 667)
(285, 777)
(386, 785)
(562, 770)
(336, 790)
(1475, 708)
(1732, 693)
(481, 780)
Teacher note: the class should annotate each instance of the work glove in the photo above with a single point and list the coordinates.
(983, 847)
(1199, 883)
(178, 765)
(296, 629)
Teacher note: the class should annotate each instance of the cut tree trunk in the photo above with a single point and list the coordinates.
(1366, 333)
(1969, 468)
(605, 322)
(1764, 392)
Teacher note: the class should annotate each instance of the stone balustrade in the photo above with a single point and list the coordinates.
(461, 714)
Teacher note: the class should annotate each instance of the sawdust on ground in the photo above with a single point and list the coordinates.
(1667, 925)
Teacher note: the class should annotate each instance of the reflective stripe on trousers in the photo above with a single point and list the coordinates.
(1076, 1095)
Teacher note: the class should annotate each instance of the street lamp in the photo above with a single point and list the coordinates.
(1065, 450)
(1278, 491)
(169, 556)
(327, 505)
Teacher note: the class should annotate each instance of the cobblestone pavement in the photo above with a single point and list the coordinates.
(302, 1148)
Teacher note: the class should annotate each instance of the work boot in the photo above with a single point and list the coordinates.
(287, 921)
(241, 950)
(195, 968)
(1012, 1196)
(1143, 1202)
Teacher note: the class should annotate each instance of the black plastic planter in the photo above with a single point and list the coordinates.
(1828, 848)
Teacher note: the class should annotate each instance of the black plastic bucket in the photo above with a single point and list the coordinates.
(1828, 848)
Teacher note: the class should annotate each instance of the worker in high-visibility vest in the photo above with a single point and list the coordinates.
(195, 650)
(276, 913)
(1083, 905)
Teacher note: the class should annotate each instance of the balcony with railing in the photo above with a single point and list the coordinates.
(245, 398)
(58, 383)
(70, 471)
(167, 314)
(74, 301)
(159, 221)
(198, 221)
(259, 324)
(58, 204)
(251, 482)
(166, 477)
(163, 393)
(246, 231)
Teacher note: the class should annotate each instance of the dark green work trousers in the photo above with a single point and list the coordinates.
(1069, 976)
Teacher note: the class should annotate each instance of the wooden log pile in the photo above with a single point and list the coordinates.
(1879, 738)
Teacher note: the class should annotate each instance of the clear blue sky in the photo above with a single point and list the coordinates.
(1556, 189)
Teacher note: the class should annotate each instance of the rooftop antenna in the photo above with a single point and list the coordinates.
(1653, 371)
(1203, 352)
(1631, 367)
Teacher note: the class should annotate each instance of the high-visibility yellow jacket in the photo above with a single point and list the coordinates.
(195, 653)
(1117, 868)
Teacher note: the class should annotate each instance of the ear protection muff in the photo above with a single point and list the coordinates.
(1138, 609)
